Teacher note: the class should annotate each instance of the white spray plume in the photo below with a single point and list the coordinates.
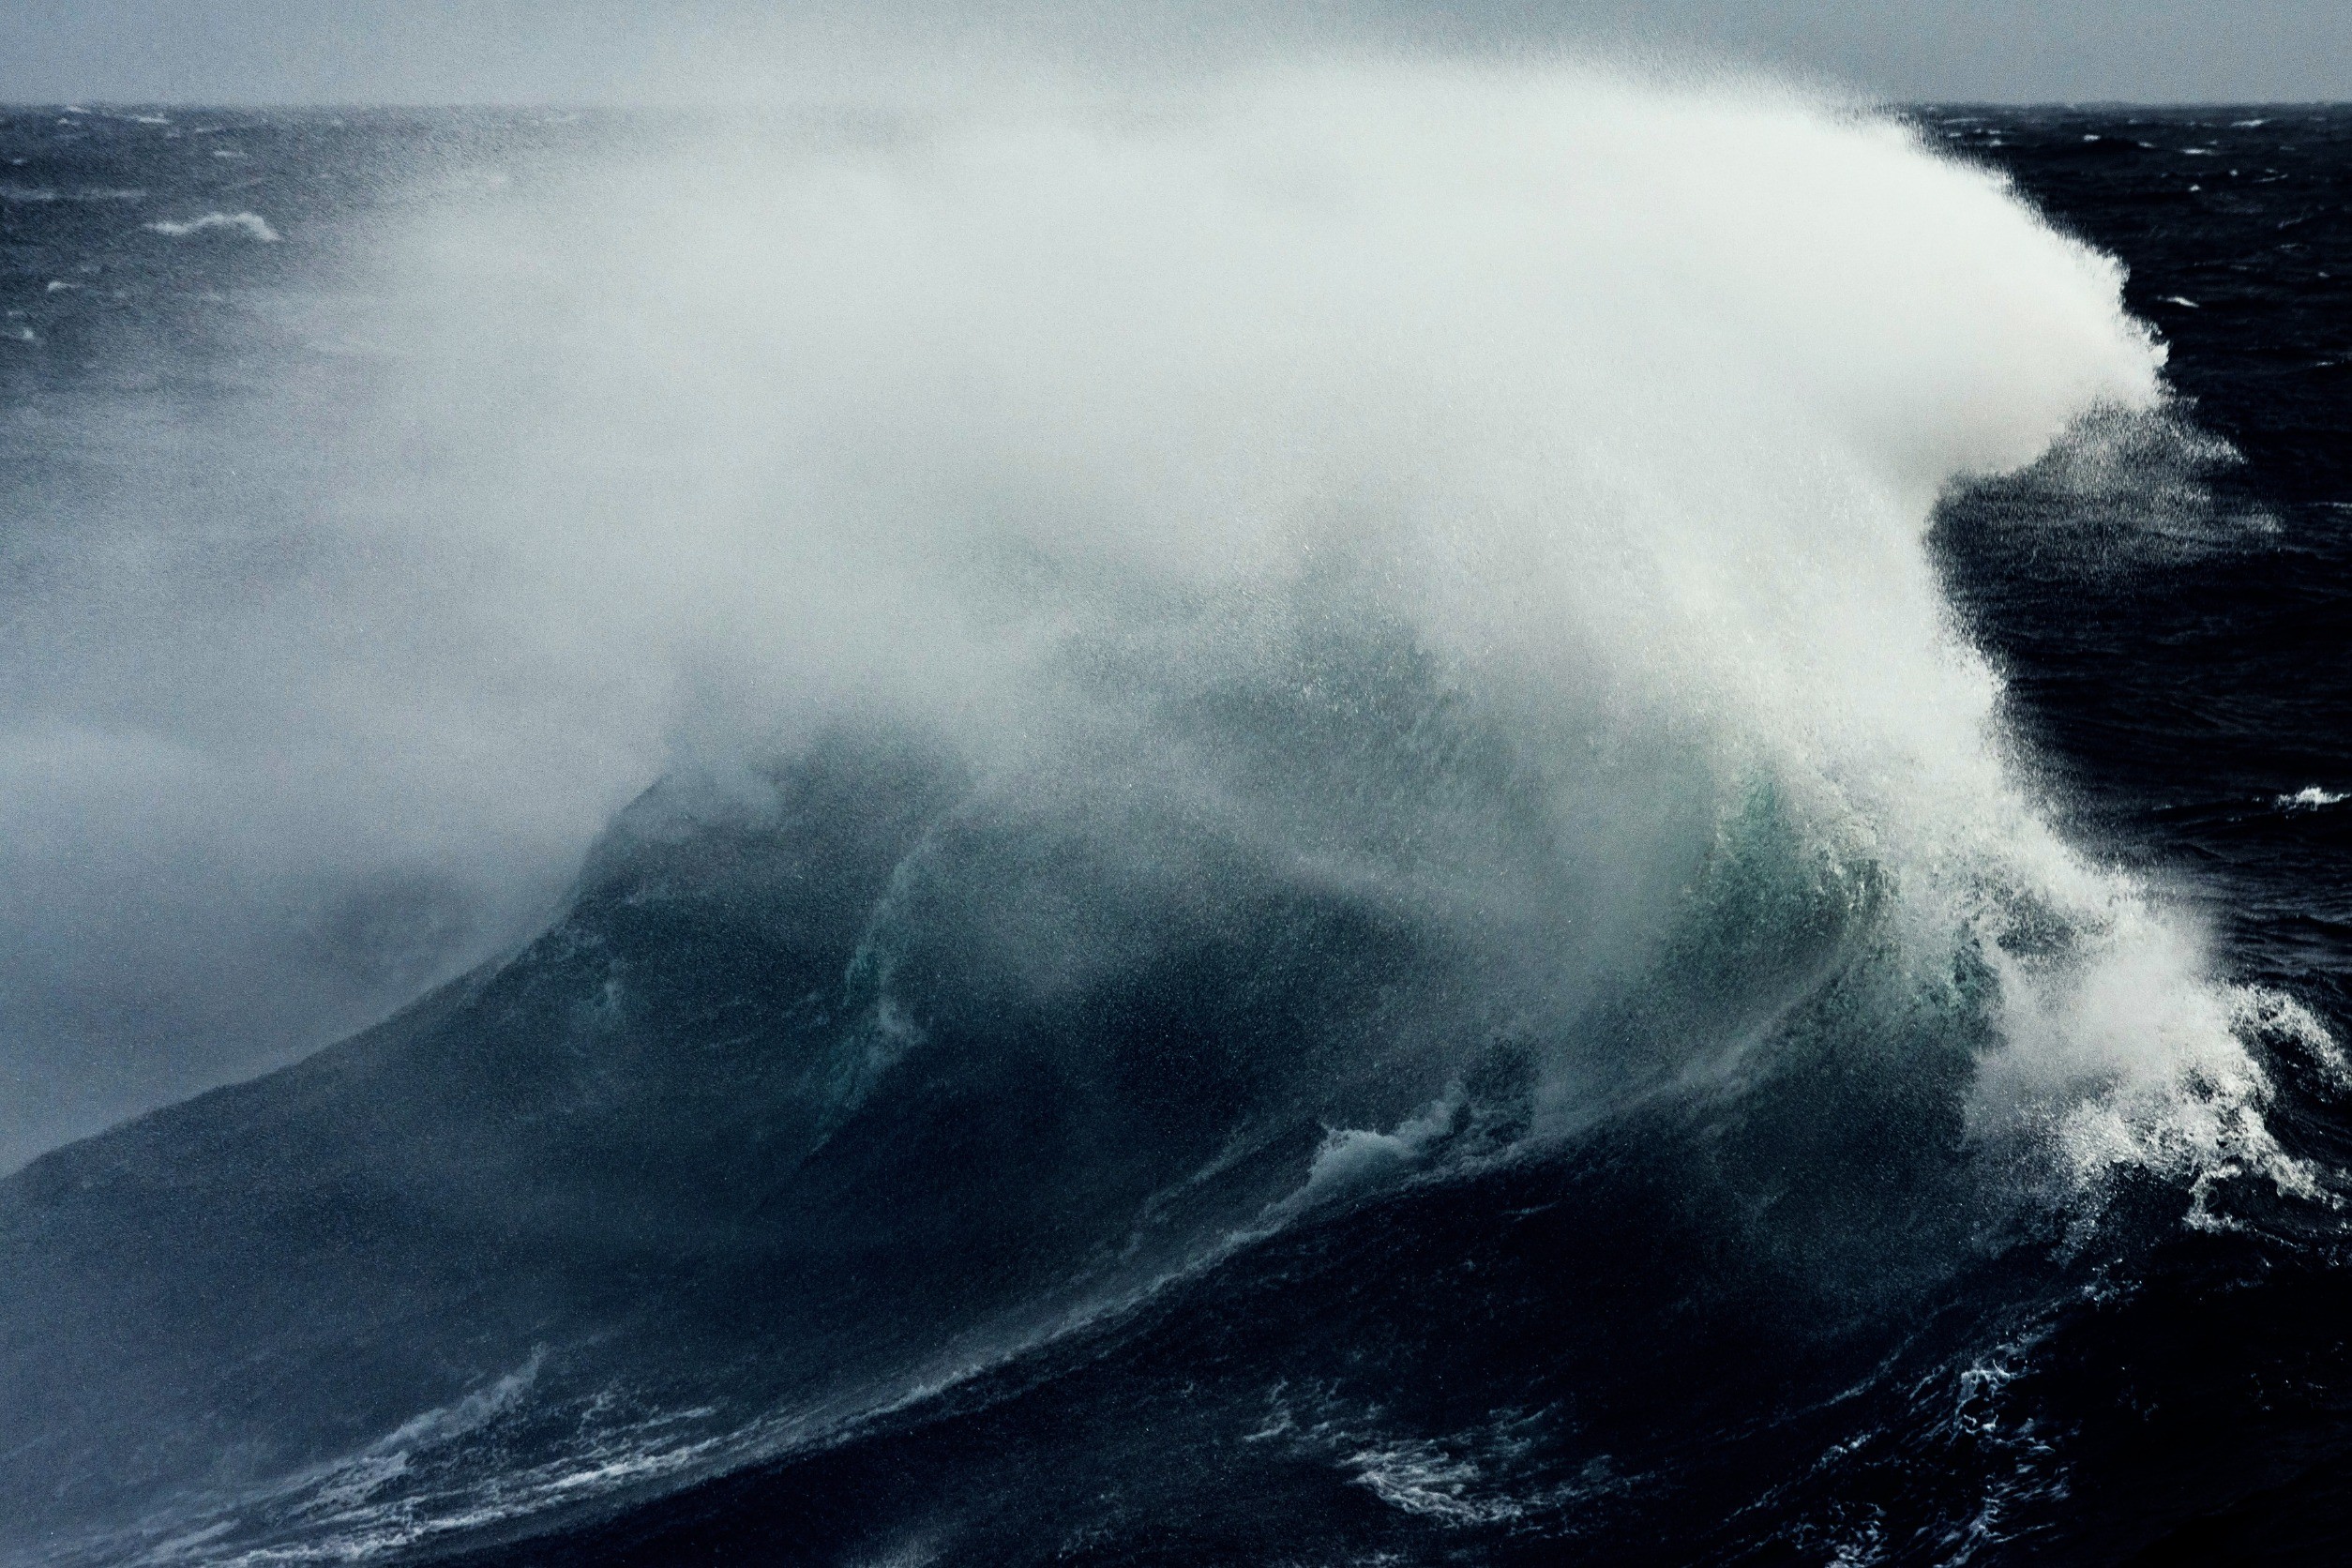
(1632, 400)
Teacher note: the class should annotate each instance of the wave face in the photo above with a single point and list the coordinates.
(1325, 817)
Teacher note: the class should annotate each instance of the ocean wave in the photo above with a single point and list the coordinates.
(1369, 634)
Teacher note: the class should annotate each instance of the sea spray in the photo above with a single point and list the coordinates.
(1621, 406)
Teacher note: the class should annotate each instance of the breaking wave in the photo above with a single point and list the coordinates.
(1361, 628)
(1595, 427)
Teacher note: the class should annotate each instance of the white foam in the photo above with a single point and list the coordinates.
(2311, 797)
(1353, 1160)
(441, 1474)
(250, 224)
(1424, 1478)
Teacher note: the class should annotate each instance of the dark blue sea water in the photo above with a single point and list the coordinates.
(868, 1162)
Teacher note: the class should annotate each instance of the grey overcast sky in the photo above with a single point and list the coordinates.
(684, 51)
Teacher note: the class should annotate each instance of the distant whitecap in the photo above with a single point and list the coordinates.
(252, 224)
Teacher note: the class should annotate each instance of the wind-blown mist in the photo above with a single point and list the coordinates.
(1623, 406)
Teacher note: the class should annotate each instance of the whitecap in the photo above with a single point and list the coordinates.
(251, 224)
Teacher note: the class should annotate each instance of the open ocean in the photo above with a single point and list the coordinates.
(1584, 825)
